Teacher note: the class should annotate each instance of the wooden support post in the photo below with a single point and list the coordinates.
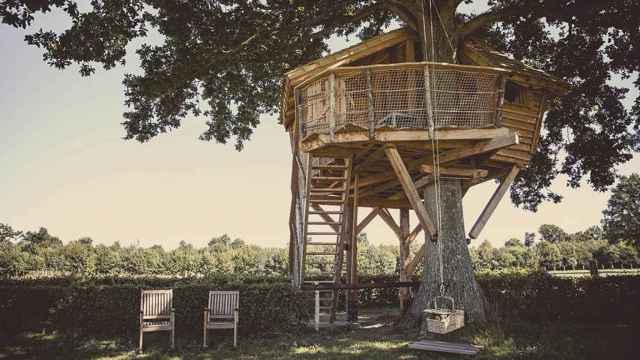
(403, 293)
(316, 312)
(410, 190)
(493, 203)
(332, 104)
(352, 313)
(372, 125)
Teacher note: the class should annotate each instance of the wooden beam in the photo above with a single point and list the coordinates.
(386, 176)
(480, 148)
(493, 203)
(410, 190)
(388, 219)
(403, 294)
(374, 190)
(456, 172)
(389, 136)
(410, 268)
(413, 234)
(374, 156)
(352, 303)
(442, 134)
(497, 143)
(383, 202)
(420, 183)
(363, 224)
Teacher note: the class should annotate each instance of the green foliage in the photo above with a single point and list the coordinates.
(100, 309)
(621, 220)
(83, 309)
(223, 60)
(539, 297)
(552, 233)
(8, 234)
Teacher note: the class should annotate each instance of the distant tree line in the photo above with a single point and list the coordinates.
(615, 243)
(556, 249)
(43, 253)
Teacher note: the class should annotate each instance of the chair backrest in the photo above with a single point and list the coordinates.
(156, 304)
(223, 303)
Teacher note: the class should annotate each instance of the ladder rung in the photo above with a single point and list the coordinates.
(326, 201)
(329, 166)
(328, 212)
(323, 233)
(329, 178)
(325, 191)
(324, 223)
(321, 243)
(325, 197)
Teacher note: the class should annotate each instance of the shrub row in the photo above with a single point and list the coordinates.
(109, 309)
(540, 297)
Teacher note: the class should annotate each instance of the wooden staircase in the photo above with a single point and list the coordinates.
(327, 194)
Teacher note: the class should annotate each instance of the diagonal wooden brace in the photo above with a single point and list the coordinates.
(326, 217)
(363, 224)
(410, 268)
(388, 219)
(410, 190)
(493, 203)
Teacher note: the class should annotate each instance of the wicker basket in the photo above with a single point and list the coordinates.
(442, 319)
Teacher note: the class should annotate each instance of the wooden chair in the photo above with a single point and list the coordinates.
(222, 313)
(157, 313)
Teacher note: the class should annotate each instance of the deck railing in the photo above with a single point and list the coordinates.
(401, 96)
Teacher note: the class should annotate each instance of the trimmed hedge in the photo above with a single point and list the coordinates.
(109, 307)
(112, 310)
(540, 297)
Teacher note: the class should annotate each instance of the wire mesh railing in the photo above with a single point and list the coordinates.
(401, 96)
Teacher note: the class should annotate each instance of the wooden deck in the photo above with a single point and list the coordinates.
(465, 154)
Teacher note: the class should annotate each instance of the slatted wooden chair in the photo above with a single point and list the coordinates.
(157, 313)
(222, 313)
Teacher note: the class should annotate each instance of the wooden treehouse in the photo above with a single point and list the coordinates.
(362, 123)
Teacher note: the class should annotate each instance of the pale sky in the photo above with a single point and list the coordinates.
(65, 166)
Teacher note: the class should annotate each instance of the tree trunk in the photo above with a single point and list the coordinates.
(442, 46)
(458, 275)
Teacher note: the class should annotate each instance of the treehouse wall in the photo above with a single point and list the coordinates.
(521, 112)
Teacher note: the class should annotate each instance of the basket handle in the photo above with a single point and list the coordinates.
(448, 299)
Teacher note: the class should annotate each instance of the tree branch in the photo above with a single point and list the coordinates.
(481, 21)
(403, 12)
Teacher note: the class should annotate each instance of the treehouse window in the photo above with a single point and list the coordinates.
(515, 94)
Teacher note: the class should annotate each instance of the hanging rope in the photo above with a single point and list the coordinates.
(446, 34)
(429, 85)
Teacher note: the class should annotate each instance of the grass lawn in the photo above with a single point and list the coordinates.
(375, 338)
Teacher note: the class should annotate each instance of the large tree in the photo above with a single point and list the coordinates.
(223, 61)
(621, 219)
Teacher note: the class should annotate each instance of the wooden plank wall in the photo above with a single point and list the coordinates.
(525, 119)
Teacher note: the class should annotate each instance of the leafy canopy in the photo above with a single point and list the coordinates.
(222, 60)
(621, 219)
